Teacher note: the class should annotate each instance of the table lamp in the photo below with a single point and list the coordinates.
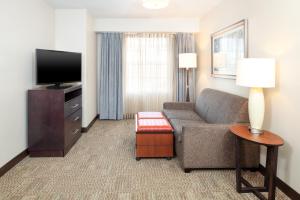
(256, 73)
(187, 61)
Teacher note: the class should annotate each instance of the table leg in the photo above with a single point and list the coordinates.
(267, 170)
(271, 170)
(238, 164)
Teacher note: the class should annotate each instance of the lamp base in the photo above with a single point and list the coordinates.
(256, 131)
(187, 86)
(256, 110)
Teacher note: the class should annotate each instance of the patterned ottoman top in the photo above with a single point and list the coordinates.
(152, 125)
(150, 115)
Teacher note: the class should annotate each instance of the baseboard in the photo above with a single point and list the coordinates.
(25, 153)
(86, 129)
(285, 188)
(13, 162)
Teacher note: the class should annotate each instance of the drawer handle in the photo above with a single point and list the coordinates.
(75, 132)
(76, 119)
(75, 106)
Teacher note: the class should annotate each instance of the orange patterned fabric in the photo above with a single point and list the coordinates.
(152, 124)
(150, 115)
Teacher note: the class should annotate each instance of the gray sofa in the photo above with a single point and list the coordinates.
(202, 137)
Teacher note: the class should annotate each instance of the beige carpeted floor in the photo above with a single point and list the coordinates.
(102, 166)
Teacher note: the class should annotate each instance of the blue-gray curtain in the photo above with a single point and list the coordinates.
(109, 57)
(184, 43)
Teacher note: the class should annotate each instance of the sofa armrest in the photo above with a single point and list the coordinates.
(205, 129)
(210, 145)
(203, 134)
(179, 105)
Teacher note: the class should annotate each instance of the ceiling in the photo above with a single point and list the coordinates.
(134, 9)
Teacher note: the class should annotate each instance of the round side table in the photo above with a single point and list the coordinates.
(272, 142)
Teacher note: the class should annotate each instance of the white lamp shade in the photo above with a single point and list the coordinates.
(256, 72)
(188, 60)
(155, 4)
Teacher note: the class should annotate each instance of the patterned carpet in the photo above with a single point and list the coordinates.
(102, 166)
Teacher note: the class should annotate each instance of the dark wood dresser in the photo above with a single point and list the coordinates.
(54, 120)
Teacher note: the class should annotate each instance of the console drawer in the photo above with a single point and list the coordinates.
(154, 151)
(73, 127)
(72, 105)
(154, 139)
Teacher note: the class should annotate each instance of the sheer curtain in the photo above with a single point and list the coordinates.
(148, 72)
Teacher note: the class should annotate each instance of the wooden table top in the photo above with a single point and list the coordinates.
(266, 138)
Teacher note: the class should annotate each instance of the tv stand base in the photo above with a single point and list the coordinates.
(58, 86)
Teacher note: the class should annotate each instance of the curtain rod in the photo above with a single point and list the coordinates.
(173, 33)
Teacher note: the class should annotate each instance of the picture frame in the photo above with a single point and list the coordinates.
(228, 45)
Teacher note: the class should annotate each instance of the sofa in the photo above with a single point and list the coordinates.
(201, 129)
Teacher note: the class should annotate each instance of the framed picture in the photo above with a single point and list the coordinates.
(227, 47)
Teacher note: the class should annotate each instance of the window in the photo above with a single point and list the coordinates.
(148, 75)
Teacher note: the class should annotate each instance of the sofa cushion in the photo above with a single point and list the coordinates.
(179, 123)
(220, 107)
(181, 114)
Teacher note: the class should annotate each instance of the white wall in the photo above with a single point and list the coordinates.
(74, 32)
(70, 30)
(91, 72)
(273, 32)
(25, 26)
(147, 25)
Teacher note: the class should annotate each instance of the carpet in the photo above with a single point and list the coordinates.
(102, 165)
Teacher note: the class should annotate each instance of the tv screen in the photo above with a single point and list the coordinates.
(57, 66)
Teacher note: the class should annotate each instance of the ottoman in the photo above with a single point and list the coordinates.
(154, 136)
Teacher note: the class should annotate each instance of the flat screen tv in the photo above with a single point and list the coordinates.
(57, 67)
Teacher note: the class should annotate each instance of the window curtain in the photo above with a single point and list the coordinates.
(148, 72)
(184, 43)
(109, 65)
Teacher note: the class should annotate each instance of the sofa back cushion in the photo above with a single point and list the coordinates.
(220, 107)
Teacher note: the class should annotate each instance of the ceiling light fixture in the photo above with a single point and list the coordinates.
(155, 4)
